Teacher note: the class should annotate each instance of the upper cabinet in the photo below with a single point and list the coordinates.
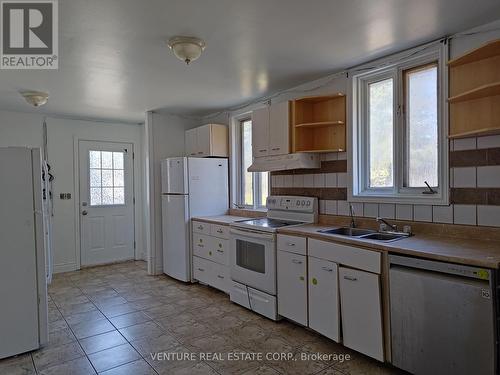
(270, 130)
(475, 92)
(207, 140)
(319, 124)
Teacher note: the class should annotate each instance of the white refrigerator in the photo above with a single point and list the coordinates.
(190, 187)
(23, 284)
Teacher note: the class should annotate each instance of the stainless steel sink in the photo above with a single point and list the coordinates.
(347, 231)
(383, 237)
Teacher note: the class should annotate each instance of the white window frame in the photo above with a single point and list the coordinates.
(358, 189)
(238, 162)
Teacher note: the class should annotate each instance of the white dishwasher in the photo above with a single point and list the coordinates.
(443, 318)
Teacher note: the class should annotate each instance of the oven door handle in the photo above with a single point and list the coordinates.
(253, 234)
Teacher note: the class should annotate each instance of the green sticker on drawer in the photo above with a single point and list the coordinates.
(483, 274)
(301, 278)
(314, 281)
(209, 253)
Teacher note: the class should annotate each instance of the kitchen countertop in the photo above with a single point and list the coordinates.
(220, 219)
(471, 252)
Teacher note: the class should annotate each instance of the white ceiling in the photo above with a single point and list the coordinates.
(114, 63)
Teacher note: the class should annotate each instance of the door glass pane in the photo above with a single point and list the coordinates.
(246, 155)
(251, 256)
(381, 129)
(422, 126)
(106, 178)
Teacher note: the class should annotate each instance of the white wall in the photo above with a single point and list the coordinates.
(21, 129)
(164, 137)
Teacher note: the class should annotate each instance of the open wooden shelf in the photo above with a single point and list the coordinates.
(486, 51)
(318, 123)
(491, 89)
(475, 92)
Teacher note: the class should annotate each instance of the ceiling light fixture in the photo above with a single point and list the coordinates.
(35, 98)
(186, 48)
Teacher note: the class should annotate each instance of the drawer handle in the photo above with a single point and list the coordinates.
(220, 277)
(327, 269)
(201, 269)
(193, 153)
(200, 152)
(276, 148)
(201, 245)
(296, 261)
(263, 150)
(220, 230)
(290, 244)
(200, 227)
(220, 251)
(350, 278)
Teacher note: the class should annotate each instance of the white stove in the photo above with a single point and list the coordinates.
(253, 251)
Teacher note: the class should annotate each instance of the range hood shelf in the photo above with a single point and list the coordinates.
(298, 160)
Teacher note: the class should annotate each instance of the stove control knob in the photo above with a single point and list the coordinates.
(308, 203)
(303, 203)
(298, 203)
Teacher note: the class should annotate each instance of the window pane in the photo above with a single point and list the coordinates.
(381, 133)
(246, 144)
(107, 159)
(107, 177)
(264, 189)
(118, 160)
(95, 196)
(95, 177)
(119, 196)
(107, 195)
(118, 178)
(421, 130)
(95, 159)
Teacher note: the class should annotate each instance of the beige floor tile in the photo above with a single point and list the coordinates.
(139, 367)
(79, 366)
(161, 311)
(131, 319)
(150, 345)
(261, 370)
(19, 365)
(84, 317)
(103, 341)
(147, 329)
(61, 336)
(53, 355)
(91, 328)
(57, 325)
(112, 311)
(110, 358)
(77, 308)
(298, 366)
(184, 333)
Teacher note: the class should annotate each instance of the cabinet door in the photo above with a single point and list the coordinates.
(190, 142)
(279, 140)
(292, 287)
(324, 314)
(361, 312)
(260, 132)
(203, 137)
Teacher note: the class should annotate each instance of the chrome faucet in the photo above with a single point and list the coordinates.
(394, 227)
(351, 213)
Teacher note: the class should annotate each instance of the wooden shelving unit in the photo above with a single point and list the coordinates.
(475, 92)
(318, 124)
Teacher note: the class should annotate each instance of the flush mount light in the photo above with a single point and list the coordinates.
(186, 48)
(35, 98)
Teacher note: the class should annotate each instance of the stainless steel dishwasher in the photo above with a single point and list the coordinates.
(443, 317)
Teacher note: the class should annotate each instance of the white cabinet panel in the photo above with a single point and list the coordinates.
(220, 250)
(361, 312)
(279, 140)
(293, 244)
(201, 245)
(213, 274)
(292, 286)
(347, 255)
(324, 313)
(191, 142)
(260, 132)
(203, 140)
(221, 231)
(201, 227)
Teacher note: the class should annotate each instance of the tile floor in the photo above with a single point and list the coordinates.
(110, 319)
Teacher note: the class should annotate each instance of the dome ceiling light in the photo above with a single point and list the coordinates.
(186, 48)
(35, 98)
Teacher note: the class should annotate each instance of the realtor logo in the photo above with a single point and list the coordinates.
(29, 34)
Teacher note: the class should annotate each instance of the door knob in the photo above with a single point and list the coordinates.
(84, 213)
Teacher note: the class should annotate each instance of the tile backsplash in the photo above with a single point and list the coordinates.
(474, 187)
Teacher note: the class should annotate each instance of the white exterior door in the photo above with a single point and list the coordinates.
(106, 202)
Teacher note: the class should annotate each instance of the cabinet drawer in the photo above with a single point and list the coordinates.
(202, 245)
(344, 254)
(292, 244)
(219, 250)
(221, 231)
(210, 273)
(201, 227)
(221, 279)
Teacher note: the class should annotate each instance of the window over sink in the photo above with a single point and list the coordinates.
(399, 133)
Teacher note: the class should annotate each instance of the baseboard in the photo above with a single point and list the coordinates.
(65, 267)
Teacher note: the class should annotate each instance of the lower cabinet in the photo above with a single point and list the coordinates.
(324, 313)
(292, 286)
(211, 273)
(360, 303)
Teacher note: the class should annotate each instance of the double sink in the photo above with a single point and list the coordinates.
(365, 234)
